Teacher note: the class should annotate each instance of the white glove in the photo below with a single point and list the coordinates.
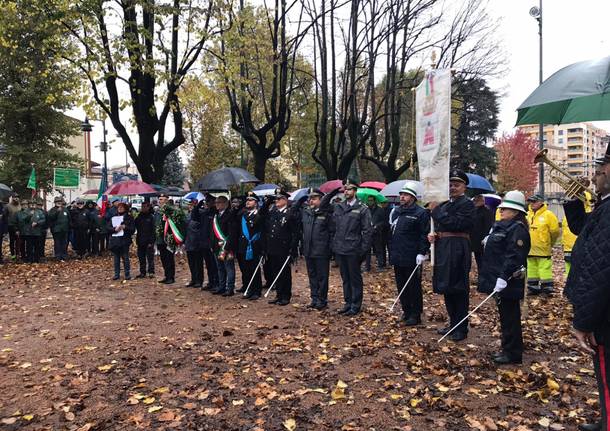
(500, 285)
(419, 259)
(484, 242)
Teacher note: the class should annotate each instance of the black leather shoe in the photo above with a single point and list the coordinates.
(206, 287)
(116, 277)
(352, 313)
(240, 290)
(189, 284)
(218, 291)
(228, 293)
(254, 297)
(273, 301)
(443, 331)
(140, 275)
(548, 290)
(590, 427)
(283, 302)
(320, 307)
(412, 321)
(197, 285)
(457, 336)
(344, 310)
(505, 359)
(312, 305)
(168, 281)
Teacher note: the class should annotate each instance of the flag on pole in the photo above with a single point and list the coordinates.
(102, 197)
(32, 182)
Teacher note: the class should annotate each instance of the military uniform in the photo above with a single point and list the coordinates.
(281, 237)
(250, 249)
(80, 223)
(453, 220)
(351, 243)
(318, 228)
(59, 222)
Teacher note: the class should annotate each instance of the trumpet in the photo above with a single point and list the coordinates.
(574, 187)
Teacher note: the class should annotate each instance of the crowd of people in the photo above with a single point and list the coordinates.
(265, 237)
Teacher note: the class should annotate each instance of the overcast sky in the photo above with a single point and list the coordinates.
(572, 31)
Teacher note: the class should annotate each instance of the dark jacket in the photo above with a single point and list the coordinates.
(378, 219)
(410, 228)
(116, 243)
(3, 219)
(281, 232)
(79, 219)
(318, 229)
(353, 229)
(452, 257)
(505, 252)
(588, 286)
(59, 220)
(145, 228)
(483, 221)
(38, 217)
(229, 228)
(254, 222)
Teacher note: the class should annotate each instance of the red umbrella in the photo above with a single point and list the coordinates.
(377, 185)
(130, 187)
(331, 185)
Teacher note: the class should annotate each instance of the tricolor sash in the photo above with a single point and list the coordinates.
(170, 225)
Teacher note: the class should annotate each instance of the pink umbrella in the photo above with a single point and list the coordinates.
(377, 185)
(130, 187)
(331, 185)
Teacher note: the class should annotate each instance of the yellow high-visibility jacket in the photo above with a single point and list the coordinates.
(567, 236)
(544, 231)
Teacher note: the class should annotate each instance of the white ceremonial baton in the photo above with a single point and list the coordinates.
(405, 286)
(277, 276)
(253, 275)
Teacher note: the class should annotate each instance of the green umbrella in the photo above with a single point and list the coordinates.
(364, 193)
(578, 92)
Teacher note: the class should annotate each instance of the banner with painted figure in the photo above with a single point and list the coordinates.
(433, 133)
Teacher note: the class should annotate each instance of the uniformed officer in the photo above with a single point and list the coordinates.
(351, 243)
(281, 238)
(318, 229)
(409, 225)
(167, 256)
(249, 250)
(59, 221)
(505, 252)
(453, 219)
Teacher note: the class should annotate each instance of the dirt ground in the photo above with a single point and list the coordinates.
(81, 352)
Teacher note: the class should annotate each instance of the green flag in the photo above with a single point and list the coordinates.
(32, 180)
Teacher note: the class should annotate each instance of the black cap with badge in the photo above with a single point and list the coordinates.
(314, 192)
(350, 185)
(281, 193)
(458, 175)
(251, 196)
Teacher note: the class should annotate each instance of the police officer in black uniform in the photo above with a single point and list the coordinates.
(453, 220)
(249, 250)
(318, 228)
(281, 238)
(505, 252)
(410, 225)
(351, 243)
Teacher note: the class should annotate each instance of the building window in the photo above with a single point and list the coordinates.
(560, 140)
(560, 132)
(577, 130)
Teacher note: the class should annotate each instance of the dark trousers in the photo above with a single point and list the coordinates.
(121, 253)
(146, 257)
(510, 325)
(349, 266)
(226, 275)
(317, 270)
(601, 361)
(195, 261)
(211, 267)
(248, 267)
(1, 241)
(283, 285)
(268, 273)
(378, 249)
(93, 245)
(42, 239)
(478, 256)
(81, 239)
(103, 242)
(60, 245)
(457, 308)
(16, 243)
(32, 248)
(167, 260)
(411, 299)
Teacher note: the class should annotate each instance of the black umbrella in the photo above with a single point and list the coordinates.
(5, 192)
(224, 178)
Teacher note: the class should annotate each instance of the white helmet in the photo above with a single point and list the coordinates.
(515, 200)
(414, 188)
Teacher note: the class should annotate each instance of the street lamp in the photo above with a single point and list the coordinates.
(86, 126)
(536, 13)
